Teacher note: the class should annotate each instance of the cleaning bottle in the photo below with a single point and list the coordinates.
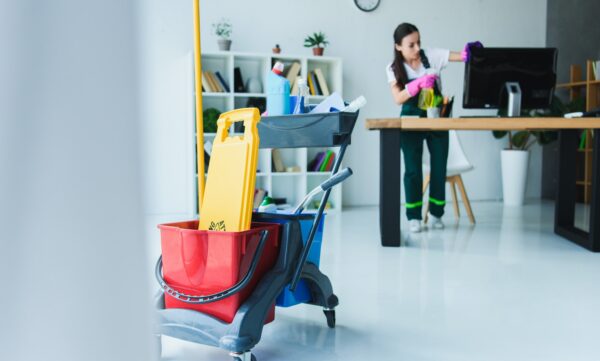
(302, 96)
(278, 91)
(355, 105)
(426, 95)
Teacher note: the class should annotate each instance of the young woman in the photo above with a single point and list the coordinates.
(414, 69)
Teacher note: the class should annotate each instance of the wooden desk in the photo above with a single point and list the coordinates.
(390, 172)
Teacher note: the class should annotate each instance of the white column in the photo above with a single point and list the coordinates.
(72, 258)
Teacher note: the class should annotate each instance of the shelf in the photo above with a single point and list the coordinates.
(286, 174)
(587, 150)
(214, 95)
(250, 95)
(256, 66)
(577, 84)
(573, 84)
(583, 183)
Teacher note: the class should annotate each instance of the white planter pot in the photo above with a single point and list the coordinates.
(224, 44)
(514, 176)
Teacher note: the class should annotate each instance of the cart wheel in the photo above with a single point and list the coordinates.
(330, 315)
(244, 357)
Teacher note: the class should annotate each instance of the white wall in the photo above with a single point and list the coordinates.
(364, 41)
(72, 256)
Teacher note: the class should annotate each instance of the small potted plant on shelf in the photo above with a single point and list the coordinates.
(222, 30)
(317, 41)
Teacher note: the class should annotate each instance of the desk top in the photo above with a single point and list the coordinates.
(482, 123)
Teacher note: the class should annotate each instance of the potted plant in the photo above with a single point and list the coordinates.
(317, 41)
(515, 158)
(222, 30)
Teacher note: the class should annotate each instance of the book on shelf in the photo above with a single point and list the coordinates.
(311, 85)
(318, 90)
(325, 161)
(596, 69)
(206, 84)
(329, 165)
(278, 165)
(215, 82)
(318, 161)
(293, 72)
(322, 83)
(222, 82)
(238, 81)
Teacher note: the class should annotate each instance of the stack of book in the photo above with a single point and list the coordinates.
(322, 162)
(317, 83)
(213, 82)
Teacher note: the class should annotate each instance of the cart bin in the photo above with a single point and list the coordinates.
(199, 262)
(306, 130)
(302, 294)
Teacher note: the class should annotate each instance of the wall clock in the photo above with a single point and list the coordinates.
(367, 5)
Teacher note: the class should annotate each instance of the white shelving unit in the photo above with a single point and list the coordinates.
(289, 185)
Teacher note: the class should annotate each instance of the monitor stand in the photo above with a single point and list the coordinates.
(514, 99)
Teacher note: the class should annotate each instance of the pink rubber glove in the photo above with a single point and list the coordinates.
(466, 53)
(424, 82)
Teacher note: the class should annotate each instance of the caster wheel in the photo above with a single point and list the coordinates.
(330, 315)
(244, 357)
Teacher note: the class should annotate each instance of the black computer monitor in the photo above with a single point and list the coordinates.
(489, 70)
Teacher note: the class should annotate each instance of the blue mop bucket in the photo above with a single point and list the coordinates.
(302, 294)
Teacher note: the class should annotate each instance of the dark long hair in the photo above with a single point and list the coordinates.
(401, 31)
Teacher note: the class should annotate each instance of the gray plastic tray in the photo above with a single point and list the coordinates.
(306, 130)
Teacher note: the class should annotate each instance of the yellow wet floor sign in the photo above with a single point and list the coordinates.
(229, 192)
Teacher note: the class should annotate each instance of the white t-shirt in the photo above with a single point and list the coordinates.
(438, 60)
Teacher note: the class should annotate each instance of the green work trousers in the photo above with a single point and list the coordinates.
(412, 148)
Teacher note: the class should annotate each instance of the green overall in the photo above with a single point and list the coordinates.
(412, 148)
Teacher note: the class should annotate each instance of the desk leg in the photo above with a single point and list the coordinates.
(389, 187)
(595, 202)
(564, 216)
(564, 213)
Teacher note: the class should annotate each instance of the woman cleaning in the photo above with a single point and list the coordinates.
(414, 69)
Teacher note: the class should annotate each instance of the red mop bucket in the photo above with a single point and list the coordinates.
(214, 272)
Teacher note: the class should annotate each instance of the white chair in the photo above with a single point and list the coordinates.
(457, 164)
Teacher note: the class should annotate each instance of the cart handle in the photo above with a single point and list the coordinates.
(215, 296)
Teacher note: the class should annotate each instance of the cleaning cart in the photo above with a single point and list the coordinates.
(274, 261)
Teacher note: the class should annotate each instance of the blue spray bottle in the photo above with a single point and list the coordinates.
(278, 92)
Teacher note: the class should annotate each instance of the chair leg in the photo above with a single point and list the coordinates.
(461, 187)
(426, 182)
(452, 181)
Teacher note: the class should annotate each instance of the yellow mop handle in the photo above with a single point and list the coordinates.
(199, 121)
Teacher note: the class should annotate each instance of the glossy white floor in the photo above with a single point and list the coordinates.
(505, 289)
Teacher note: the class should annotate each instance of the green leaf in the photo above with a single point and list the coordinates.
(316, 40)
(520, 139)
(499, 134)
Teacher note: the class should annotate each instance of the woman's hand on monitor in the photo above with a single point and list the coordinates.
(466, 53)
